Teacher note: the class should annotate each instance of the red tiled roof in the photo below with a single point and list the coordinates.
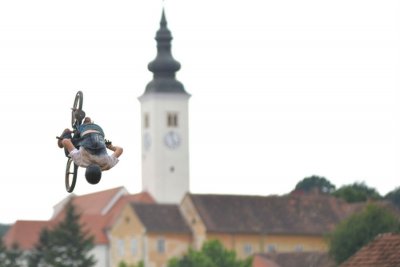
(95, 203)
(260, 261)
(383, 251)
(98, 212)
(94, 224)
(95, 219)
(25, 233)
(293, 259)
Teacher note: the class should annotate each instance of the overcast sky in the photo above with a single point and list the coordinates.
(281, 90)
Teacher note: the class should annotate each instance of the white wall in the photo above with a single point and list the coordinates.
(101, 254)
(164, 185)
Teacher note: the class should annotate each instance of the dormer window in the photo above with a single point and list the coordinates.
(172, 119)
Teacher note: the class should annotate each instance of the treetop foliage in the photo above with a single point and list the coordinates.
(212, 254)
(357, 192)
(394, 196)
(315, 182)
(359, 229)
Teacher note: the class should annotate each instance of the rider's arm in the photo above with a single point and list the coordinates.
(117, 150)
(68, 144)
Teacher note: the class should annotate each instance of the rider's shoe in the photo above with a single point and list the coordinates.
(66, 134)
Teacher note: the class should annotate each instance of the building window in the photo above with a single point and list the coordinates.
(298, 248)
(247, 249)
(120, 247)
(172, 119)
(134, 247)
(271, 248)
(160, 245)
(146, 120)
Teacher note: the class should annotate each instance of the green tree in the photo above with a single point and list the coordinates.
(356, 192)
(314, 182)
(124, 264)
(212, 254)
(394, 196)
(360, 228)
(41, 252)
(12, 257)
(66, 245)
(3, 229)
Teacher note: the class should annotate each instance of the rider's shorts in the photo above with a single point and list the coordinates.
(94, 143)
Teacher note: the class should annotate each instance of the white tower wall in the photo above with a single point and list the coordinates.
(165, 170)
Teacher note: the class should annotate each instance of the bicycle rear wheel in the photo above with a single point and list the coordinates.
(71, 173)
(78, 114)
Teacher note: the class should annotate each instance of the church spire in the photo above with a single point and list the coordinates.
(164, 66)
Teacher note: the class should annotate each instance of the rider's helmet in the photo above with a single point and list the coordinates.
(93, 174)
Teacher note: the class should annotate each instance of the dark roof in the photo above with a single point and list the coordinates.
(383, 251)
(295, 259)
(314, 215)
(161, 218)
(164, 66)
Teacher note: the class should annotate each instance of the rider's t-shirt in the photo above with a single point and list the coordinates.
(83, 158)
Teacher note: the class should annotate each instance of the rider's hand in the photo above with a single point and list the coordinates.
(108, 143)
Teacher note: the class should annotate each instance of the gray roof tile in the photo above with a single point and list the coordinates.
(161, 218)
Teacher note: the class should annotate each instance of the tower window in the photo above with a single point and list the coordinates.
(146, 120)
(172, 119)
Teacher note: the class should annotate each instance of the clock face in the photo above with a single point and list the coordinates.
(172, 140)
(146, 141)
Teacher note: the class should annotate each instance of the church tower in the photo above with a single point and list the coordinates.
(165, 129)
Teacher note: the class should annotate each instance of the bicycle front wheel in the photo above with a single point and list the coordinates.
(71, 173)
(78, 114)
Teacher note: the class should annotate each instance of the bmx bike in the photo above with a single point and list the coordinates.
(77, 116)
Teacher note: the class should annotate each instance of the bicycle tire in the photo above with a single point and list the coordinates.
(78, 103)
(70, 176)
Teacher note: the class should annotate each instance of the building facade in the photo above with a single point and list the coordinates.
(248, 225)
(149, 233)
